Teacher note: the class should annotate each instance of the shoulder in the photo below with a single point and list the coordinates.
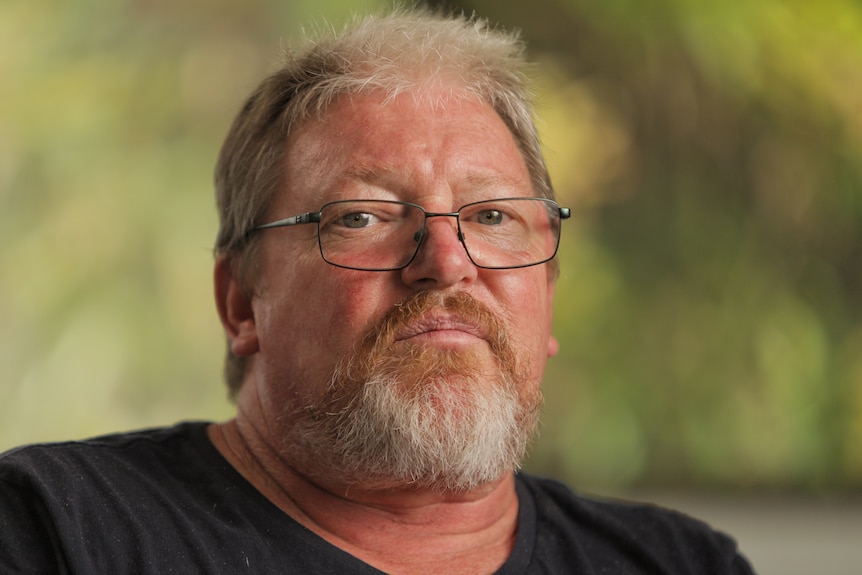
(76, 477)
(556, 501)
(57, 500)
(627, 536)
(52, 464)
(154, 501)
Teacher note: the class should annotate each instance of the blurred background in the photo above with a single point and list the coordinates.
(709, 306)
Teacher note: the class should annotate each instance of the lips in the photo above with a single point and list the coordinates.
(440, 323)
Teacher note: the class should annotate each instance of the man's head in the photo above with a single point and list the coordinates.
(402, 52)
(407, 108)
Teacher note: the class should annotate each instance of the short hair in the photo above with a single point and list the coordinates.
(403, 51)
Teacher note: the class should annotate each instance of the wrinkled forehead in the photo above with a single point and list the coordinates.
(412, 135)
(367, 110)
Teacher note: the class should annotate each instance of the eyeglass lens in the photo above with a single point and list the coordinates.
(385, 235)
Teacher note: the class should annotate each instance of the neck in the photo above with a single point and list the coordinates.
(399, 529)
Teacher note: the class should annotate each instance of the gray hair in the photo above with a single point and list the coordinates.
(404, 51)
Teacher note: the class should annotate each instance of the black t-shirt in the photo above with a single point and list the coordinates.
(165, 501)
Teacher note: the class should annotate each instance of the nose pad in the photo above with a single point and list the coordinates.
(437, 261)
(420, 235)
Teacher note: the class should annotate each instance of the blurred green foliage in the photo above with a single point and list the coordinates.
(709, 308)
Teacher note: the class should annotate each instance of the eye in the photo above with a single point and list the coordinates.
(356, 220)
(490, 217)
(355, 216)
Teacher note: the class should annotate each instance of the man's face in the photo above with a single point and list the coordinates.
(309, 316)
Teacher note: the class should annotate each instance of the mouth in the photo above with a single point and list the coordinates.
(442, 328)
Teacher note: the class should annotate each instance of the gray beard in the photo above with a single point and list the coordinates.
(425, 418)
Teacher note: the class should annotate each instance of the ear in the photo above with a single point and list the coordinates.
(235, 310)
(553, 344)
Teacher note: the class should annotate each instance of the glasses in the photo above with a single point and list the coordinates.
(384, 235)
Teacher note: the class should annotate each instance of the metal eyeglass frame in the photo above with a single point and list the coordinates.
(315, 218)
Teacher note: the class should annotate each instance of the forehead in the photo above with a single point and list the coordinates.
(443, 141)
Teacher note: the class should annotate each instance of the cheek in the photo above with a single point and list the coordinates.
(350, 304)
(318, 321)
(530, 322)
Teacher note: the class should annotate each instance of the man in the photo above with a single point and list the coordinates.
(384, 274)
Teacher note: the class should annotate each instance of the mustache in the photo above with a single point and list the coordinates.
(462, 305)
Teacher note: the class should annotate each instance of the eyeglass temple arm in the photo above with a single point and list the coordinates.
(306, 218)
(565, 213)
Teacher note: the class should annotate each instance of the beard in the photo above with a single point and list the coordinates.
(422, 416)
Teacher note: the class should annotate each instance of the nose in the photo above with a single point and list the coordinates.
(442, 259)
